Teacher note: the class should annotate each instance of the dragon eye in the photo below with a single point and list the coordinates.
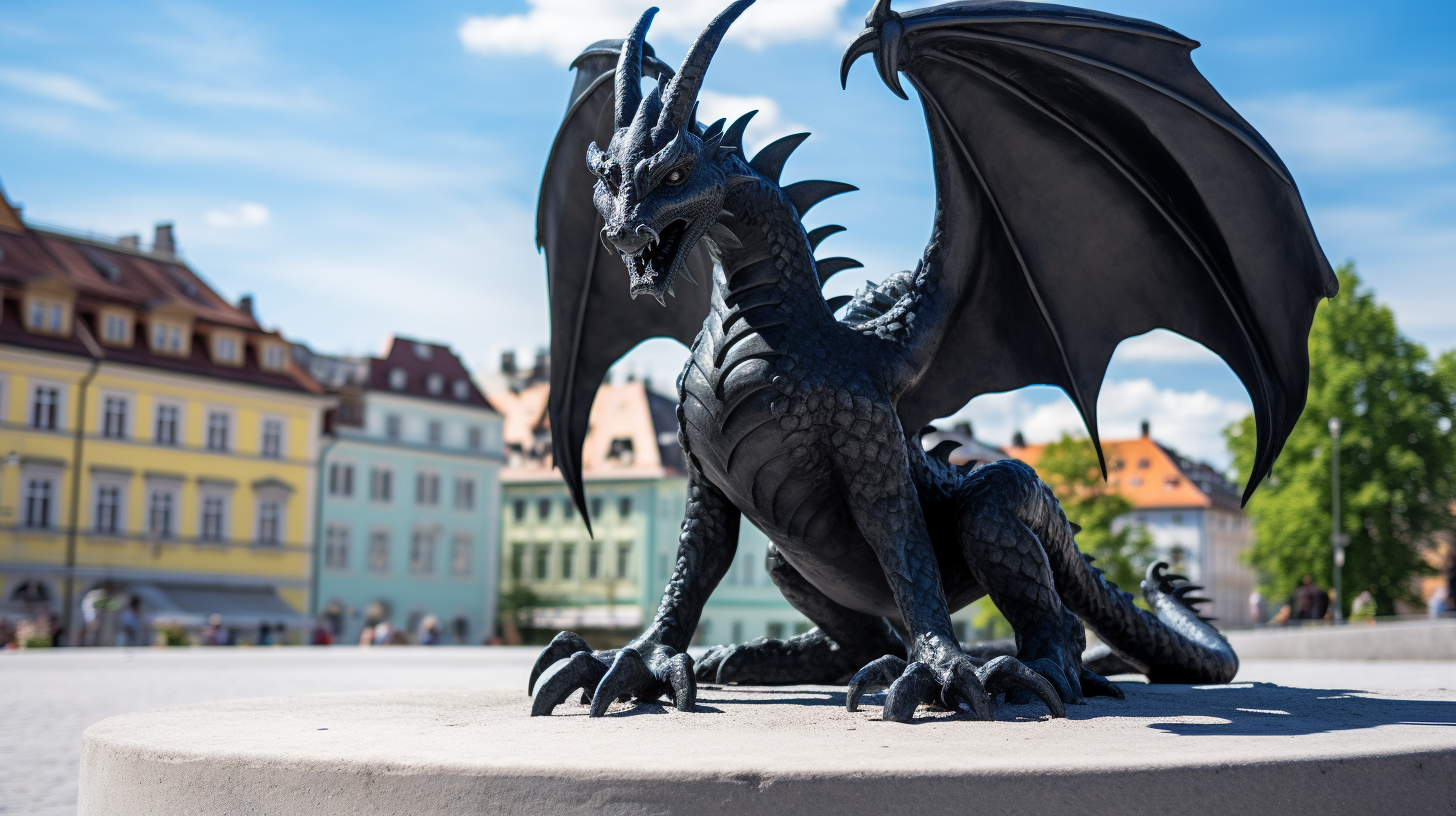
(676, 177)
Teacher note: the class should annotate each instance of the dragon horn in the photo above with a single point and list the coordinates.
(629, 70)
(677, 101)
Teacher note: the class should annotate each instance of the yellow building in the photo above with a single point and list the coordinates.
(155, 442)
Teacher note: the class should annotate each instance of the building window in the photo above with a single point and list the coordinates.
(624, 507)
(45, 408)
(460, 549)
(423, 351)
(225, 350)
(381, 485)
(270, 523)
(113, 418)
(473, 438)
(398, 379)
(159, 514)
(214, 518)
(274, 357)
(336, 547)
(116, 329)
(391, 426)
(167, 416)
(108, 509)
(568, 561)
(518, 510)
(518, 562)
(594, 561)
(568, 510)
(435, 384)
(341, 480)
(217, 431)
(624, 558)
(46, 316)
(379, 551)
(272, 445)
(542, 564)
(427, 489)
(39, 494)
(437, 432)
(543, 509)
(596, 507)
(167, 338)
(462, 390)
(422, 552)
(464, 494)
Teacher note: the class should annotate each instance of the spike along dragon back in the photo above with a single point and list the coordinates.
(1090, 186)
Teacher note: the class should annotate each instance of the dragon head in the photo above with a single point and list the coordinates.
(661, 180)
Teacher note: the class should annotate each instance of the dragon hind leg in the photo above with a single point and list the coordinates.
(1008, 559)
(840, 643)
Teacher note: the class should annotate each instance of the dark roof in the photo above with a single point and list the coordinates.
(664, 425)
(105, 274)
(1221, 492)
(420, 361)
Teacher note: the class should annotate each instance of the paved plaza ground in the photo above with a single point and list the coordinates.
(52, 696)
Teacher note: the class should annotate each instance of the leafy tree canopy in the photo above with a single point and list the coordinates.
(1397, 457)
(1069, 466)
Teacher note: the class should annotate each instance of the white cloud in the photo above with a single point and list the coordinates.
(1348, 133)
(1163, 346)
(246, 214)
(560, 29)
(1190, 421)
(766, 126)
(59, 87)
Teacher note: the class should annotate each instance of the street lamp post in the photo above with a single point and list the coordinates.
(1338, 539)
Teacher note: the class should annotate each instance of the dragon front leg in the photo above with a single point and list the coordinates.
(884, 504)
(657, 662)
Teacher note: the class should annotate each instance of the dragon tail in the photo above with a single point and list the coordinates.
(1171, 644)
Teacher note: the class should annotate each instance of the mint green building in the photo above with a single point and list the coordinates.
(410, 498)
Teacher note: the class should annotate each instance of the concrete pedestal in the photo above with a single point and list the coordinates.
(1242, 749)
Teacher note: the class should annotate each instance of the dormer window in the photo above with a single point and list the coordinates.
(116, 327)
(169, 338)
(274, 357)
(436, 384)
(47, 316)
(398, 379)
(423, 351)
(227, 348)
(461, 389)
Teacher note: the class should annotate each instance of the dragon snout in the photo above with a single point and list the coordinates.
(631, 240)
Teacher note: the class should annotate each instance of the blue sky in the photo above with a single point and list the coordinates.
(366, 169)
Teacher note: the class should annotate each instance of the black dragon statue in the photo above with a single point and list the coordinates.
(1090, 186)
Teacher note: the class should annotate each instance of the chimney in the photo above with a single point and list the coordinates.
(1147, 429)
(542, 370)
(132, 241)
(164, 243)
(245, 305)
(964, 428)
(508, 363)
(1017, 440)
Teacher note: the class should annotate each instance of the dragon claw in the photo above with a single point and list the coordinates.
(953, 683)
(644, 671)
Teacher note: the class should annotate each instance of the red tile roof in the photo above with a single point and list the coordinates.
(1152, 476)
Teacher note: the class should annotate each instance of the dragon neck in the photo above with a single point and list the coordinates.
(761, 249)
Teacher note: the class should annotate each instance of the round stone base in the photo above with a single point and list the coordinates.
(1243, 749)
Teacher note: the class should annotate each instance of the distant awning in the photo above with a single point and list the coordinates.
(193, 604)
(617, 616)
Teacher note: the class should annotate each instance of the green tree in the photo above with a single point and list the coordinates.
(1397, 457)
(1070, 467)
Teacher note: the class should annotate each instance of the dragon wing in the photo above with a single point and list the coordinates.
(1091, 186)
(594, 320)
